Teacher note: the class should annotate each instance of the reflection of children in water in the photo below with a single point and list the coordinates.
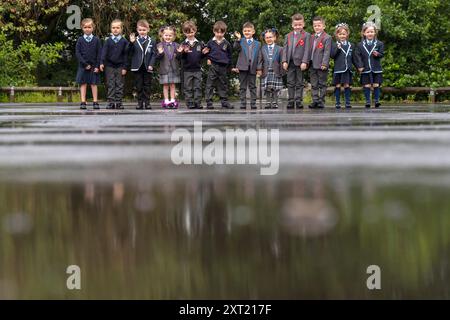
(308, 212)
(118, 192)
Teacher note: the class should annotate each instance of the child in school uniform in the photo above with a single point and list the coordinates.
(342, 51)
(320, 58)
(219, 60)
(88, 52)
(247, 64)
(295, 60)
(369, 52)
(192, 57)
(271, 65)
(169, 53)
(114, 62)
(143, 54)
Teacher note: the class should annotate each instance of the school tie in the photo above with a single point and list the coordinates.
(115, 39)
(369, 42)
(89, 38)
(142, 39)
(270, 50)
(249, 41)
(316, 37)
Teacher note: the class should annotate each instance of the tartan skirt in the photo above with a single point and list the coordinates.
(272, 81)
(171, 77)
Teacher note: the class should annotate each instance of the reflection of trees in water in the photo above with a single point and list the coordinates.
(228, 237)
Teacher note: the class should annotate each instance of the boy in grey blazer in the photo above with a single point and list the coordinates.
(295, 59)
(319, 64)
(248, 63)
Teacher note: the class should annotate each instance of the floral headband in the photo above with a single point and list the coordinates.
(369, 24)
(341, 25)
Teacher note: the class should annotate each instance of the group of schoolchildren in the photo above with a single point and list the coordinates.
(301, 52)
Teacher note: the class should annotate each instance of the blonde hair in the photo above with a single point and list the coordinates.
(143, 23)
(87, 21)
(117, 21)
(171, 28)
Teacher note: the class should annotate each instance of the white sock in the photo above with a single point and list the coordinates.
(166, 101)
(172, 100)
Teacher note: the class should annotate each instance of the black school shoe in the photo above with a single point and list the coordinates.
(140, 105)
(367, 106)
(147, 105)
(338, 106)
(198, 105)
(111, 106)
(377, 104)
(119, 105)
(190, 105)
(96, 106)
(268, 106)
(209, 105)
(83, 106)
(313, 105)
(290, 105)
(253, 107)
(348, 106)
(227, 105)
(243, 106)
(274, 105)
(298, 104)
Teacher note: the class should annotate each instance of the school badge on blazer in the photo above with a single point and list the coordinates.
(301, 42)
(320, 45)
(199, 48)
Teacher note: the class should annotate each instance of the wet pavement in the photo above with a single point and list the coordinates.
(98, 189)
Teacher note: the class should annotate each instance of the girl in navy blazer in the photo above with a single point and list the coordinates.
(370, 51)
(88, 51)
(342, 51)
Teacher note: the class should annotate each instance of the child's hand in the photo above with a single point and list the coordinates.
(285, 66)
(208, 62)
(132, 37)
(303, 66)
(338, 45)
(323, 68)
(102, 67)
(181, 49)
(205, 50)
(160, 49)
(235, 70)
(258, 73)
(150, 68)
(375, 54)
(88, 67)
(96, 70)
(360, 70)
(124, 72)
(237, 35)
